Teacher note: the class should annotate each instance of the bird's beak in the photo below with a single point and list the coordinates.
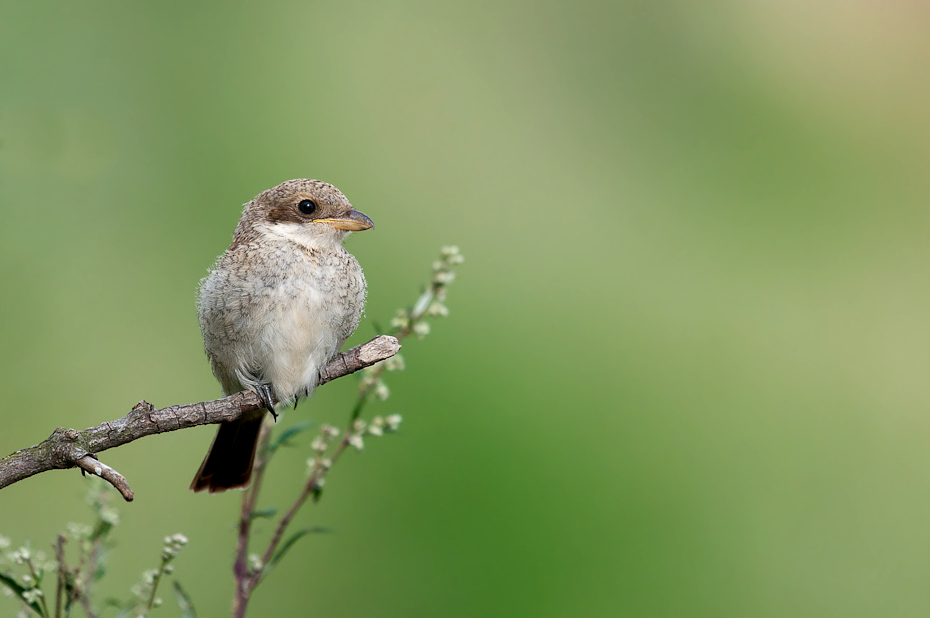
(355, 221)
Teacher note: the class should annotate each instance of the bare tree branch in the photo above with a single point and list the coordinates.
(67, 448)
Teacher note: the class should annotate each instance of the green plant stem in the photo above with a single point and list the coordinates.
(62, 578)
(35, 577)
(155, 581)
(319, 472)
(92, 557)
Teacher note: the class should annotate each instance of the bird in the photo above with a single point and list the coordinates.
(278, 305)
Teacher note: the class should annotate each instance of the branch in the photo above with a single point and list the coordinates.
(67, 448)
(90, 463)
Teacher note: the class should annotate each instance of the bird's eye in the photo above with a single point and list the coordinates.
(306, 206)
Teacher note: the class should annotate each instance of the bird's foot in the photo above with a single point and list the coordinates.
(264, 393)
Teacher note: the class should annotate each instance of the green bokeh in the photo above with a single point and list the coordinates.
(685, 368)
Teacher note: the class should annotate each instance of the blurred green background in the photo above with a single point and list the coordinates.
(685, 368)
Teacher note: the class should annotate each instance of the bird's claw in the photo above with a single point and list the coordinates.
(264, 393)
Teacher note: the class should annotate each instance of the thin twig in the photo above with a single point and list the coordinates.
(240, 567)
(93, 559)
(309, 487)
(155, 581)
(95, 466)
(62, 578)
(85, 603)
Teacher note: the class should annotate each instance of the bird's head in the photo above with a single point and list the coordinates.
(311, 213)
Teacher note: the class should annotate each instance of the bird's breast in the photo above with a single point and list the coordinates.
(295, 308)
(315, 306)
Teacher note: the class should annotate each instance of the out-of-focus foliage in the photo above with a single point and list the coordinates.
(686, 370)
(55, 585)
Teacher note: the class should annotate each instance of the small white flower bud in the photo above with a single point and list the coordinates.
(78, 530)
(393, 421)
(375, 430)
(439, 309)
(382, 391)
(401, 319)
(357, 442)
(421, 329)
(359, 426)
(4, 542)
(32, 595)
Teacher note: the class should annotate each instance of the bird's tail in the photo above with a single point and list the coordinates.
(228, 464)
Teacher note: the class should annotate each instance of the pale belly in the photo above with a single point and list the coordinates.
(298, 340)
